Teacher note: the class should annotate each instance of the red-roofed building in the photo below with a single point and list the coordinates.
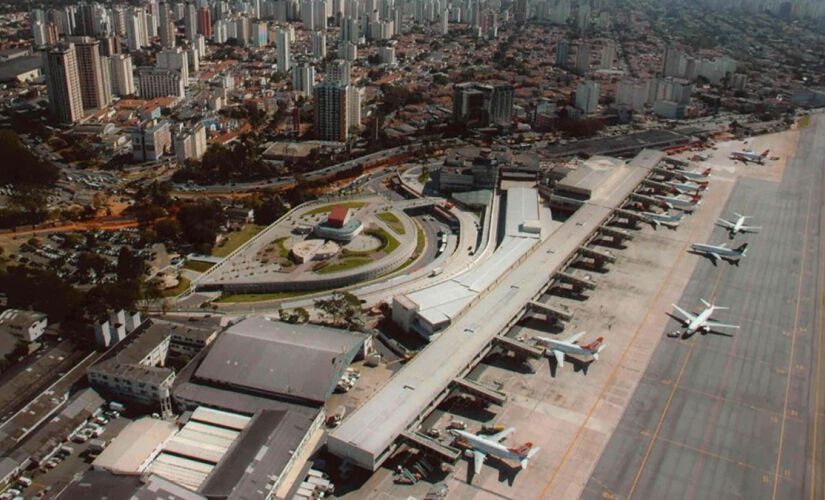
(338, 216)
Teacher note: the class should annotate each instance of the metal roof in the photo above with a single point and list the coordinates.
(296, 361)
(135, 444)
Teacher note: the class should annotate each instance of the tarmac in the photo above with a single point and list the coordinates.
(739, 416)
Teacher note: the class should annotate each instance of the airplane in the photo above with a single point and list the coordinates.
(721, 252)
(691, 187)
(480, 447)
(702, 321)
(694, 175)
(677, 202)
(560, 348)
(750, 156)
(738, 226)
(667, 220)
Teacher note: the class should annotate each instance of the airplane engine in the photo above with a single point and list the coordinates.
(468, 453)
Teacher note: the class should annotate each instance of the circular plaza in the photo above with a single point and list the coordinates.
(320, 246)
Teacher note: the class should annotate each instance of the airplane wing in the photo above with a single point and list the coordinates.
(714, 324)
(724, 223)
(751, 229)
(715, 256)
(478, 460)
(575, 337)
(559, 357)
(688, 316)
(501, 435)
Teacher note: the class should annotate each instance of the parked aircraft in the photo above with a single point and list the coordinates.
(721, 252)
(688, 187)
(694, 175)
(738, 226)
(665, 219)
(567, 346)
(679, 202)
(702, 321)
(750, 156)
(483, 446)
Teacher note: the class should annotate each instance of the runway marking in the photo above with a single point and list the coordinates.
(669, 401)
(821, 302)
(793, 343)
(722, 399)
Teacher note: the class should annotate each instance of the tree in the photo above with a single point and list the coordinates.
(90, 262)
(270, 210)
(200, 223)
(20, 166)
(129, 266)
(344, 307)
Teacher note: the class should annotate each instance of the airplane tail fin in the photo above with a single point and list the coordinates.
(696, 198)
(765, 153)
(526, 452)
(742, 249)
(706, 172)
(595, 347)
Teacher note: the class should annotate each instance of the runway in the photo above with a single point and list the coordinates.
(739, 416)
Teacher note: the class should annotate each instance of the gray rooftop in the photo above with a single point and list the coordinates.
(124, 359)
(368, 433)
(16, 66)
(295, 361)
(261, 451)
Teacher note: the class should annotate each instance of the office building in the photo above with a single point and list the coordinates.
(151, 140)
(155, 82)
(25, 326)
(63, 83)
(331, 111)
(587, 96)
(479, 105)
(84, 20)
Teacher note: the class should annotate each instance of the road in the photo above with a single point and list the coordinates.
(720, 417)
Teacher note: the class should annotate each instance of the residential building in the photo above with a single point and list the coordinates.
(26, 326)
(386, 55)
(176, 59)
(63, 83)
(562, 53)
(154, 82)
(319, 44)
(583, 59)
(481, 105)
(190, 143)
(94, 90)
(303, 78)
(190, 21)
(205, 22)
(151, 140)
(587, 96)
(282, 46)
(166, 26)
(331, 110)
(123, 80)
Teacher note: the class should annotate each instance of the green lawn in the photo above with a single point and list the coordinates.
(282, 251)
(198, 265)
(258, 297)
(344, 265)
(419, 249)
(328, 208)
(388, 242)
(804, 121)
(236, 239)
(183, 285)
(391, 220)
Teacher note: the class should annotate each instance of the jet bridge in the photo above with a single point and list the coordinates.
(447, 453)
(519, 347)
(550, 311)
(574, 281)
(480, 390)
(596, 255)
(618, 235)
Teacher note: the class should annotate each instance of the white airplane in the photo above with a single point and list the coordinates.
(483, 446)
(688, 187)
(721, 252)
(748, 156)
(679, 202)
(738, 226)
(693, 175)
(702, 321)
(570, 345)
(667, 220)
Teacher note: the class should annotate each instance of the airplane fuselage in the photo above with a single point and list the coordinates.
(677, 202)
(486, 446)
(721, 251)
(698, 321)
(564, 347)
